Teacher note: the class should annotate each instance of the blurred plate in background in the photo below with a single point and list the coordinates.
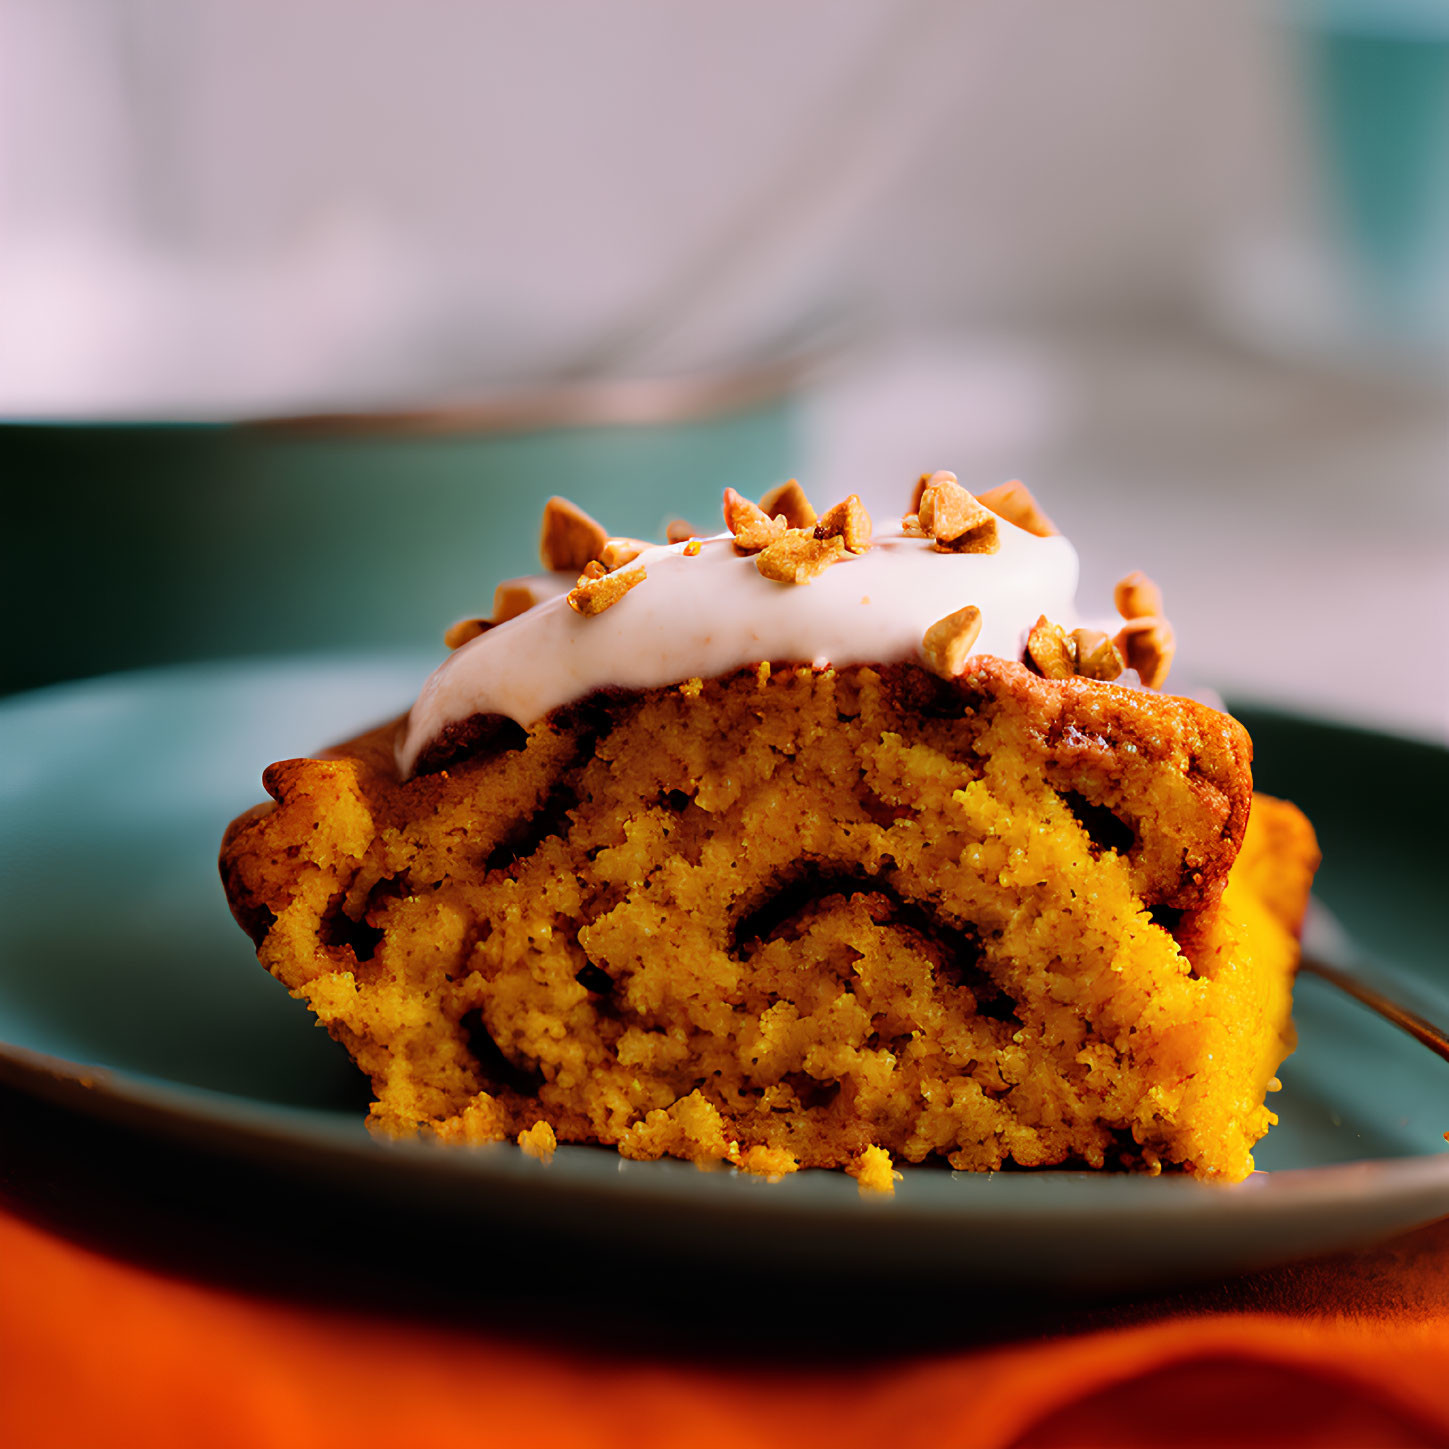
(147, 543)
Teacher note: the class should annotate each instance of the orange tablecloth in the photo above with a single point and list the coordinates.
(95, 1351)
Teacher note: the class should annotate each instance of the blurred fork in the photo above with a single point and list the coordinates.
(1329, 954)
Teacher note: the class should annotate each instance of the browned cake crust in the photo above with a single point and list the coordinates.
(1116, 748)
(1100, 745)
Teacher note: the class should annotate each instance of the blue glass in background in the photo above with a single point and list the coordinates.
(131, 545)
(1378, 75)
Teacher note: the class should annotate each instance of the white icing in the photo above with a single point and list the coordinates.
(712, 613)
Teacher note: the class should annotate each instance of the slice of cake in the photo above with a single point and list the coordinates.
(807, 844)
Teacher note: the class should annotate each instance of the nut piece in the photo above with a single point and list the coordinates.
(752, 527)
(911, 526)
(570, 537)
(789, 498)
(1097, 656)
(946, 645)
(957, 522)
(465, 629)
(1137, 597)
(510, 600)
(799, 557)
(593, 596)
(680, 530)
(924, 482)
(620, 551)
(1048, 648)
(1148, 645)
(1013, 502)
(848, 521)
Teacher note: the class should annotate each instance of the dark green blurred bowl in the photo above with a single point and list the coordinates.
(132, 544)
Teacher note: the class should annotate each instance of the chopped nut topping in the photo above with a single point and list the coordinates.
(752, 527)
(911, 526)
(946, 645)
(1049, 649)
(592, 570)
(692, 548)
(570, 537)
(1013, 502)
(924, 482)
(848, 521)
(1055, 654)
(1147, 644)
(620, 551)
(1097, 656)
(1137, 597)
(1145, 641)
(511, 600)
(680, 530)
(594, 595)
(789, 498)
(957, 522)
(926, 508)
(799, 557)
(464, 630)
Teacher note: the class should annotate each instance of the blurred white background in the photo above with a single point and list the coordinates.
(1098, 246)
(223, 206)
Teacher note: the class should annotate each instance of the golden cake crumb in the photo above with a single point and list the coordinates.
(771, 1162)
(873, 1172)
(538, 1141)
(481, 1119)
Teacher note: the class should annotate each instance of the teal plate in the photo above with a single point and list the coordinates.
(127, 994)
